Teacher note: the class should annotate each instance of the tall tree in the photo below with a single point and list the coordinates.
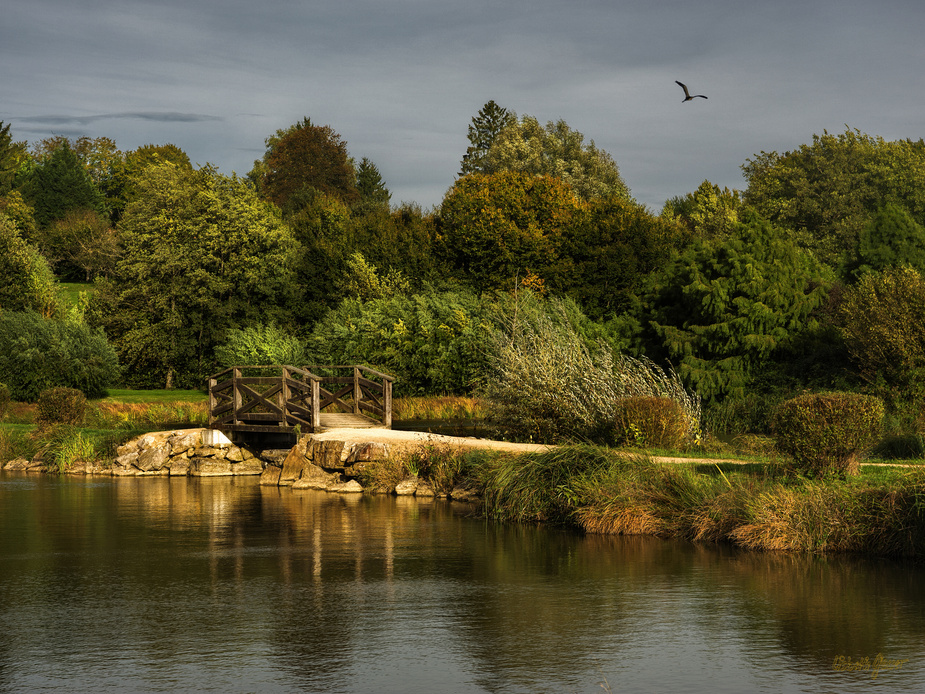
(496, 228)
(825, 192)
(371, 187)
(890, 239)
(307, 157)
(709, 212)
(483, 130)
(555, 150)
(60, 184)
(9, 159)
(201, 253)
(28, 283)
(722, 308)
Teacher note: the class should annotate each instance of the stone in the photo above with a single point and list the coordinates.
(247, 467)
(270, 476)
(274, 456)
(366, 452)
(127, 460)
(424, 488)
(348, 487)
(119, 471)
(179, 465)
(152, 459)
(211, 452)
(328, 454)
(184, 442)
(313, 477)
(235, 455)
(407, 486)
(294, 463)
(464, 493)
(128, 448)
(17, 464)
(209, 467)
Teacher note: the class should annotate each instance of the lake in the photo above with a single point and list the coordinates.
(219, 585)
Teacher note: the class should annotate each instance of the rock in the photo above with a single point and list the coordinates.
(424, 488)
(17, 464)
(152, 458)
(211, 452)
(328, 454)
(270, 476)
(274, 456)
(236, 455)
(313, 477)
(463, 492)
(348, 487)
(407, 486)
(209, 467)
(179, 465)
(247, 467)
(128, 447)
(119, 471)
(127, 460)
(294, 463)
(365, 452)
(184, 442)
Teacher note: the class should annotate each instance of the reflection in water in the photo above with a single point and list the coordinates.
(161, 584)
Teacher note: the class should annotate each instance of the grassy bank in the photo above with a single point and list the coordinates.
(755, 506)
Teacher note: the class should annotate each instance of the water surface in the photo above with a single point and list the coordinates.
(160, 584)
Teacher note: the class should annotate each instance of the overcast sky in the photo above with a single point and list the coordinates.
(400, 80)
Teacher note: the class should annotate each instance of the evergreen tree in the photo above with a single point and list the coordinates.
(371, 187)
(59, 185)
(483, 130)
(720, 309)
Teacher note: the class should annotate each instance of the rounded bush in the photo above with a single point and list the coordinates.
(653, 422)
(828, 432)
(61, 406)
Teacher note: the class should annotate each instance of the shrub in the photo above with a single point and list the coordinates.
(61, 406)
(260, 344)
(651, 421)
(4, 400)
(38, 353)
(828, 432)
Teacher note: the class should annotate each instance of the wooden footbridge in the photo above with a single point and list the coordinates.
(291, 399)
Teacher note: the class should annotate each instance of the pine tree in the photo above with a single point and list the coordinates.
(483, 130)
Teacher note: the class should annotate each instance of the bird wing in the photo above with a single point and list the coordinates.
(684, 87)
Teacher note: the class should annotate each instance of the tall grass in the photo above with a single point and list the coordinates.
(548, 383)
(114, 415)
(439, 407)
(603, 491)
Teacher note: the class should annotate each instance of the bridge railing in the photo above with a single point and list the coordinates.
(283, 398)
(356, 389)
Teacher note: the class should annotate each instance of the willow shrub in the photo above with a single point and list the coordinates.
(828, 432)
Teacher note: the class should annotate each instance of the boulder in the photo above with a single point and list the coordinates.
(424, 488)
(184, 442)
(209, 467)
(153, 458)
(313, 477)
(179, 466)
(270, 476)
(247, 467)
(348, 487)
(17, 464)
(407, 486)
(328, 454)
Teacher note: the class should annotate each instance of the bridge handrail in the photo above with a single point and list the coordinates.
(237, 401)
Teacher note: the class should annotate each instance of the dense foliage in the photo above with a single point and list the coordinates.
(828, 432)
(38, 353)
(28, 283)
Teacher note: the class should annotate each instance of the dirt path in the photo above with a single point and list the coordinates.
(416, 439)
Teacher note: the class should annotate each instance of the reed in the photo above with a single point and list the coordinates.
(439, 407)
(153, 415)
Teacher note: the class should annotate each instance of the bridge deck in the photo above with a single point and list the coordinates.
(340, 420)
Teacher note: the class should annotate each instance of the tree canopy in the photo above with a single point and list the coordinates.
(484, 128)
(555, 150)
(825, 192)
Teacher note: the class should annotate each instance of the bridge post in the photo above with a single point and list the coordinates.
(387, 402)
(236, 393)
(357, 391)
(284, 398)
(316, 404)
(212, 401)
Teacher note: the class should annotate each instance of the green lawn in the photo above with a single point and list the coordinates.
(154, 396)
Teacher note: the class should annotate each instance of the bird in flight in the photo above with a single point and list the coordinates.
(687, 94)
